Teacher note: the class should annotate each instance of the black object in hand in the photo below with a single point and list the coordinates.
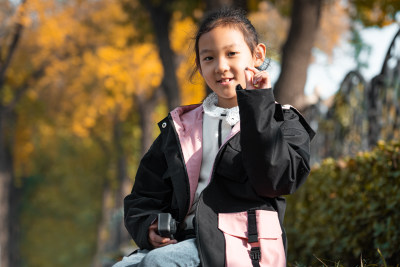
(166, 225)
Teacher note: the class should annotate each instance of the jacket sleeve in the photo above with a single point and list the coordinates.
(150, 195)
(275, 143)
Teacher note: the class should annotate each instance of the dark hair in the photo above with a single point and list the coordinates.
(226, 17)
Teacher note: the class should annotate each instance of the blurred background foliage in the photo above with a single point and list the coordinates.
(82, 84)
(348, 210)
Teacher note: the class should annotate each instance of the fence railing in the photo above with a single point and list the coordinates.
(362, 112)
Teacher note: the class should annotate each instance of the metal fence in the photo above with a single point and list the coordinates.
(362, 112)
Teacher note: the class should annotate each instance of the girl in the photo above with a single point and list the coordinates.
(220, 168)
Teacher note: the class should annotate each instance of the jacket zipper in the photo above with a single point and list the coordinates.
(201, 195)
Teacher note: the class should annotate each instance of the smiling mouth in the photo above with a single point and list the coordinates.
(226, 80)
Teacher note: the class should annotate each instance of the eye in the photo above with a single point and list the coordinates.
(231, 54)
(207, 58)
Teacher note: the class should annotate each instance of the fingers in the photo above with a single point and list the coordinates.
(156, 240)
(256, 79)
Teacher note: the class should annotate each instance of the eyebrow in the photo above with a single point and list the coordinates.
(210, 50)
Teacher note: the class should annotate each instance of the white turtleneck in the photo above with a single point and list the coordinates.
(217, 125)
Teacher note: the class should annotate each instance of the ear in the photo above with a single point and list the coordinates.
(259, 54)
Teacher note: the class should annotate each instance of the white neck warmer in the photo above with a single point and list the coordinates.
(230, 115)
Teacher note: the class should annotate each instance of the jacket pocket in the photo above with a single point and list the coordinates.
(237, 248)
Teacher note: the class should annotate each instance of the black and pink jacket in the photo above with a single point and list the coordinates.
(265, 157)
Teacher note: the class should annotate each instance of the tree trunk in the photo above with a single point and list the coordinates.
(5, 184)
(102, 245)
(111, 232)
(296, 52)
(217, 4)
(110, 240)
(14, 224)
(8, 220)
(160, 15)
(103, 229)
(123, 186)
(145, 108)
(147, 126)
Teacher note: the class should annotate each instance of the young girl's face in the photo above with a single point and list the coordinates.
(223, 57)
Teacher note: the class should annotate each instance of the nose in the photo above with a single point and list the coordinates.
(222, 66)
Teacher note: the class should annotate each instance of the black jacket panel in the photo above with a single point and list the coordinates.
(267, 159)
(275, 153)
(161, 185)
(150, 195)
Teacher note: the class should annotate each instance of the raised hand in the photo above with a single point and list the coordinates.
(256, 79)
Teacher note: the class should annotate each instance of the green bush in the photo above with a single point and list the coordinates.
(347, 209)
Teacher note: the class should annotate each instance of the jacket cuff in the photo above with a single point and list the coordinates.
(143, 240)
(239, 87)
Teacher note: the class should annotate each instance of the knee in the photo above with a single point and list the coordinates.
(156, 258)
(182, 254)
(131, 260)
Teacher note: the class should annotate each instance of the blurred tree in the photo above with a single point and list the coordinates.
(296, 52)
(213, 4)
(86, 89)
(182, 44)
(13, 20)
(98, 77)
(97, 86)
(374, 12)
(160, 13)
(307, 18)
(271, 26)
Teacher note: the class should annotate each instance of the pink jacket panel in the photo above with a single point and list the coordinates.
(188, 121)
